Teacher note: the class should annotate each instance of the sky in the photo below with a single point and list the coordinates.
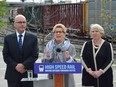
(73, 1)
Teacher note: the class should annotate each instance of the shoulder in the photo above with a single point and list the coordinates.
(86, 43)
(107, 43)
(10, 35)
(29, 34)
(52, 41)
(89, 42)
(72, 45)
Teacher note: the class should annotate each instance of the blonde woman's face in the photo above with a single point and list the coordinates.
(59, 35)
(95, 34)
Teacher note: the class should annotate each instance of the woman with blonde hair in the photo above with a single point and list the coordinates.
(59, 49)
(97, 59)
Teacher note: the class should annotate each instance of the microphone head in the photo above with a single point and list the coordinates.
(58, 50)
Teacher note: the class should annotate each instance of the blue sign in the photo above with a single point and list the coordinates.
(57, 68)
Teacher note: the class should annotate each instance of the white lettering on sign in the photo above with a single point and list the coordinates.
(60, 66)
(70, 67)
(48, 67)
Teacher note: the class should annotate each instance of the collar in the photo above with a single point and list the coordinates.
(19, 34)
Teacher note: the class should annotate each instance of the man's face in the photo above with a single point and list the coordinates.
(20, 24)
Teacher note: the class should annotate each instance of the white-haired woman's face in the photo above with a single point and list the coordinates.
(95, 34)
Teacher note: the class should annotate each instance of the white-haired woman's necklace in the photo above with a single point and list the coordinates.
(97, 43)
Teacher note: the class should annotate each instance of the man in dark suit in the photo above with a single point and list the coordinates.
(19, 57)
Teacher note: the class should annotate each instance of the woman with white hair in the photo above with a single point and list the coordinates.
(97, 58)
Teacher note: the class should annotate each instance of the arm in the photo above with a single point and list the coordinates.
(83, 59)
(47, 54)
(29, 62)
(6, 54)
(108, 62)
(110, 58)
(70, 54)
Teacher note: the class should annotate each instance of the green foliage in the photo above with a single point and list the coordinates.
(105, 1)
(107, 18)
(3, 15)
(3, 5)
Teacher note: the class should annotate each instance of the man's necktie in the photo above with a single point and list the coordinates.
(20, 41)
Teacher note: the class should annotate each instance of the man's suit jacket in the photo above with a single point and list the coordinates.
(12, 55)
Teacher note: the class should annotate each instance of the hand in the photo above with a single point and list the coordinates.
(47, 53)
(90, 71)
(23, 70)
(97, 74)
(67, 54)
(20, 68)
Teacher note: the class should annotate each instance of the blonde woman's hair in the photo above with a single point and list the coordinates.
(97, 27)
(64, 29)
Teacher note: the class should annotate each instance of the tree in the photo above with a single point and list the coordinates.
(3, 15)
(107, 18)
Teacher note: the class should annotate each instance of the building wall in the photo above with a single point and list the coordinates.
(94, 12)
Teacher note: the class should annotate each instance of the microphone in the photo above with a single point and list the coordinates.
(58, 50)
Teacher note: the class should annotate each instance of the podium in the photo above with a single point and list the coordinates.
(58, 70)
(59, 80)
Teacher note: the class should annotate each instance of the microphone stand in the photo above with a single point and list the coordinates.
(58, 50)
